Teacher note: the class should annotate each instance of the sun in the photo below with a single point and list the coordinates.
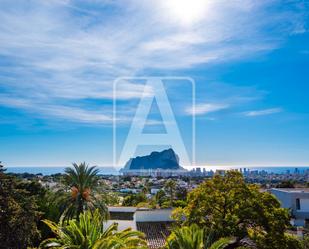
(186, 12)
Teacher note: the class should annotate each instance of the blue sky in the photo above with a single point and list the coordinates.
(249, 60)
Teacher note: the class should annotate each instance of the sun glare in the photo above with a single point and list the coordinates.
(186, 11)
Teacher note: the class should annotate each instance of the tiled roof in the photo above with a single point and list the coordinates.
(155, 232)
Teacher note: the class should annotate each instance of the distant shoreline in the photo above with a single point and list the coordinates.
(115, 171)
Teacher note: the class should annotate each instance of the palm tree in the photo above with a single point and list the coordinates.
(83, 181)
(193, 237)
(170, 185)
(89, 232)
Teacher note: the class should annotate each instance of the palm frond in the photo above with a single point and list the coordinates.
(222, 243)
(88, 232)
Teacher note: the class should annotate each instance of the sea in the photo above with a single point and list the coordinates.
(115, 171)
(55, 170)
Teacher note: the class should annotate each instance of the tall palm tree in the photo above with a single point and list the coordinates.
(83, 181)
(193, 237)
(89, 232)
(170, 186)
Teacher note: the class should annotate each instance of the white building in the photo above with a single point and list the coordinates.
(154, 191)
(297, 200)
(155, 223)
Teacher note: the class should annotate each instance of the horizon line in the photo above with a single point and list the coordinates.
(190, 167)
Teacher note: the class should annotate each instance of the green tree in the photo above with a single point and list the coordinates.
(89, 233)
(180, 203)
(227, 206)
(286, 184)
(18, 214)
(181, 193)
(49, 203)
(305, 242)
(145, 190)
(83, 181)
(160, 197)
(110, 198)
(193, 237)
(51, 206)
(134, 199)
(170, 187)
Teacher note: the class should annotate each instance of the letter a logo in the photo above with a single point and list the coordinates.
(136, 137)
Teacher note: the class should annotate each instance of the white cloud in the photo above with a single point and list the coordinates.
(78, 52)
(68, 113)
(263, 112)
(206, 108)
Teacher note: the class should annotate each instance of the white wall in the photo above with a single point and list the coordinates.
(153, 215)
(122, 224)
(304, 205)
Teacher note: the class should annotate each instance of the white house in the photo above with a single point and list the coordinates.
(297, 200)
(155, 223)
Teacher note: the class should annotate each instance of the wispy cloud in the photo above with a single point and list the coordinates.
(263, 112)
(77, 54)
(218, 96)
(68, 113)
(206, 108)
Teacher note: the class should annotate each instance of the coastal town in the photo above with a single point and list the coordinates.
(135, 184)
(163, 124)
(146, 203)
(150, 173)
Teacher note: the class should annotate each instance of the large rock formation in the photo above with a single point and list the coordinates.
(166, 159)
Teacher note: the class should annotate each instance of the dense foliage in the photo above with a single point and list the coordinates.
(170, 186)
(134, 199)
(18, 214)
(194, 237)
(88, 232)
(227, 206)
(23, 204)
(222, 207)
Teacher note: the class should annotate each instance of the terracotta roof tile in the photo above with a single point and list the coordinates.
(155, 232)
